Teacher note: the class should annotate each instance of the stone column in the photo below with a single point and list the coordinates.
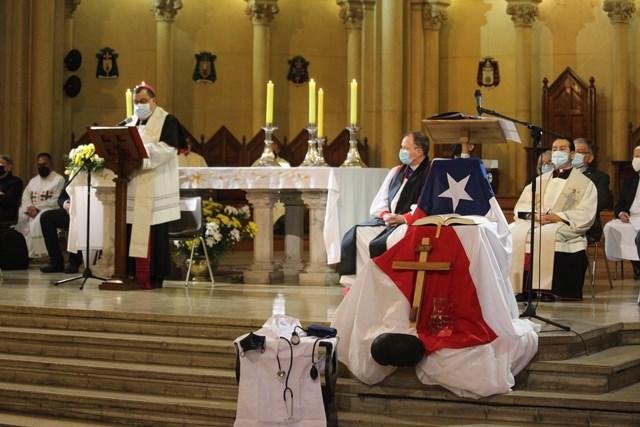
(620, 13)
(351, 13)
(262, 13)
(41, 96)
(263, 269)
(69, 9)
(434, 14)
(523, 14)
(369, 123)
(165, 12)
(317, 272)
(391, 80)
(294, 234)
(416, 64)
(14, 102)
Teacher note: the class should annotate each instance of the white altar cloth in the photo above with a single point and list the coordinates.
(349, 191)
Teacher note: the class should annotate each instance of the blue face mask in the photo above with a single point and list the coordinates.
(143, 111)
(547, 167)
(578, 160)
(559, 158)
(404, 157)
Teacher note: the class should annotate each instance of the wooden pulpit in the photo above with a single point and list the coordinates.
(123, 151)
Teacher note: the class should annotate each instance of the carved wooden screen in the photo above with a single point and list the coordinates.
(569, 107)
(223, 149)
(336, 152)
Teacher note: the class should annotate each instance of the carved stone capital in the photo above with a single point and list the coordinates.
(619, 11)
(165, 10)
(262, 11)
(523, 12)
(351, 13)
(70, 8)
(434, 14)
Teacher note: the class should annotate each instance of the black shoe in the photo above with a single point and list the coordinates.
(397, 350)
(52, 269)
(547, 297)
(522, 296)
(71, 269)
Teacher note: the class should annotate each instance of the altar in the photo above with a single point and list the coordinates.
(337, 199)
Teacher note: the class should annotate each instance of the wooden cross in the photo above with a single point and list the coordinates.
(421, 266)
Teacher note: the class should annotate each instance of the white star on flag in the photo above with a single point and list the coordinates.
(456, 191)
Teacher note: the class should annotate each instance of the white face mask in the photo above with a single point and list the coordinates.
(559, 158)
(578, 161)
(547, 167)
(143, 111)
(635, 163)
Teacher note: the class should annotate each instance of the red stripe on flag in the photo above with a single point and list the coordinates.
(469, 327)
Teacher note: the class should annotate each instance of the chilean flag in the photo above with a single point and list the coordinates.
(488, 344)
(457, 186)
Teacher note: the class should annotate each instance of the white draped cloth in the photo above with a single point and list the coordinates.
(375, 305)
(574, 200)
(42, 193)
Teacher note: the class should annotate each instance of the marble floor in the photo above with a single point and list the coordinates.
(308, 303)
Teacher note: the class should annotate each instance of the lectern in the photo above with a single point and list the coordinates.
(123, 151)
(470, 130)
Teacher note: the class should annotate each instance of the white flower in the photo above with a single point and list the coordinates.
(245, 211)
(235, 235)
(230, 210)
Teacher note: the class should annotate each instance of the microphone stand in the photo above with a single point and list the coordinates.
(86, 274)
(536, 137)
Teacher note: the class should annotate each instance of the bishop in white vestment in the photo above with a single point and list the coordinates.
(153, 196)
(565, 208)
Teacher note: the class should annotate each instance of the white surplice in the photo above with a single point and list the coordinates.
(42, 193)
(575, 200)
(153, 194)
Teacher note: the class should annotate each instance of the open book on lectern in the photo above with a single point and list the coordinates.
(454, 128)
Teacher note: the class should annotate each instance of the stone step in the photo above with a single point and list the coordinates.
(184, 326)
(619, 408)
(166, 350)
(130, 409)
(601, 372)
(202, 383)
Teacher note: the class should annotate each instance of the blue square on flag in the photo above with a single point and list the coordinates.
(456, 186)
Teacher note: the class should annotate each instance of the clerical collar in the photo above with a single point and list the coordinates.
(561, 173)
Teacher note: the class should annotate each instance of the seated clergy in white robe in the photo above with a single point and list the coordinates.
(40, 195)
(153, 195)
(391, 207)
(621, 234)
(565, 208)
(485, 344)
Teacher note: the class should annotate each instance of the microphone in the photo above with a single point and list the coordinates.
(478, 96)
(125, 121)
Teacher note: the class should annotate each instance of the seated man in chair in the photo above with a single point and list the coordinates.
(51, 221)
(565, 208)
(620, 234)
(391, 207)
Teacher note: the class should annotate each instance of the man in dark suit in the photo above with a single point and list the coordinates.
(621, 232)
(583, 160)
(51, 221)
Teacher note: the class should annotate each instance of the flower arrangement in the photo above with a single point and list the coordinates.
(225, 225)
(83, 157)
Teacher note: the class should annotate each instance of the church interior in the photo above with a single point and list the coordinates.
(166, 356)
